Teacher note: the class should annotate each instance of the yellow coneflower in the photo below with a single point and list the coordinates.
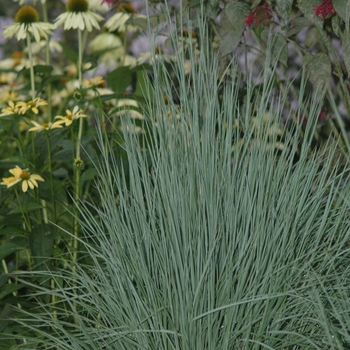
(19, 175)
(67, 119)
(45, 126)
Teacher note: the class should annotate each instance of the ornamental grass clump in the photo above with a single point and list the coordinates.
(215, 233)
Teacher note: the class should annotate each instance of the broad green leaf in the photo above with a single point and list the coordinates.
(319, 70)
(307, 7)
(312, 37)
(335, 25)
(10, 288)
(60, 172)
(41, 69)
(87, 175)
(296, 25)
(11, 162)
(50, 80)
(13, 230)
(32, 206)
(233, 26)
(230, 41)
(143, 85)
(41, 242)
(236, 13)
(69, 53)
(284, 7)
(6, 314)
(119, 79)
(345, 38)
(12, 246)
(40, 144)
(342, 8)
(279, 49)
(154, 21)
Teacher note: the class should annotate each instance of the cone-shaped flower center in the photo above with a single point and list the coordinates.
(127, 8)
(77, 5)
(27, 14)
(24, 175)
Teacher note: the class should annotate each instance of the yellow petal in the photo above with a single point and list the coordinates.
(25, 186)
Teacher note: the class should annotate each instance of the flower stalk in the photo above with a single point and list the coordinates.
(31, 67)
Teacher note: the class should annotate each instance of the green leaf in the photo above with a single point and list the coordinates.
(342, 8)
(143, 85)
(69, 53)
(119, 79)
(279, 49)
(11, 162)
(233, 26)
(319, 70)
(154, 21)
(307, 7)
(60, 172)
(88, 175)
(10, 288)
(50, 80)
(41, 242)
(230, 41)
(284, 8)
(345, 38)
(13, 230)
(41, 69)
(32, 206)
(296, 25)
(6, 314)
(12, 246)
(335, 25)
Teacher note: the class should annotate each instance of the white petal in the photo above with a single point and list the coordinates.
(34, 30)
(88, 23)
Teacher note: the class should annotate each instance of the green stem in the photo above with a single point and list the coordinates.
(51, 178)
(80, 56)
(77, 169)
(77, 151)
(31, 68)
(32, 79)
(24, 216)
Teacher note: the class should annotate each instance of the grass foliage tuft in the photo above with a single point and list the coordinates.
(212, 236)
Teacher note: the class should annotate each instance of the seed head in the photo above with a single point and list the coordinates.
(77, 5)
(27, 14)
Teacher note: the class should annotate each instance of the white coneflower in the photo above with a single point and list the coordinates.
(27, 22)
(78, 16)
(120, 21)
(54, 46)
(113, 49)
(157, 56)
(98, 6)
(125, 110)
